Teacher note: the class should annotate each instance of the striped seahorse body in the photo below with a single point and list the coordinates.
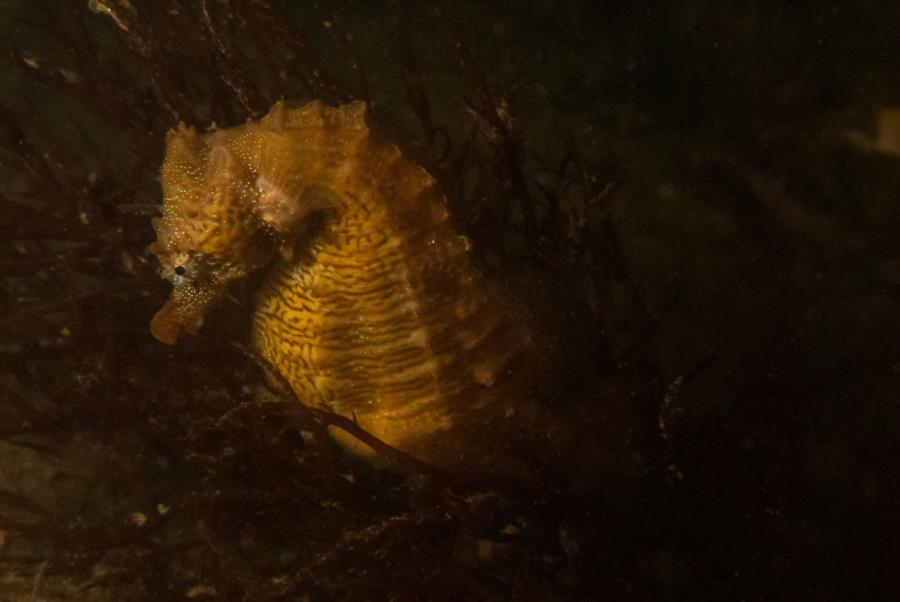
(371, 305)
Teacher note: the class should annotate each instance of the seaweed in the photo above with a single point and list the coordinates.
(702, 231)
(186, 473)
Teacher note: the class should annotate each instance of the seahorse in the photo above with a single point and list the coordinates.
(370, 305)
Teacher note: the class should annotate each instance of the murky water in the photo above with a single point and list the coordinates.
(507, 301)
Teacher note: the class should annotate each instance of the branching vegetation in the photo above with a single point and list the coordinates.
(194, 482)
(715, 280)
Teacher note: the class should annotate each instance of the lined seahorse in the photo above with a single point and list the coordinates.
(370, 304)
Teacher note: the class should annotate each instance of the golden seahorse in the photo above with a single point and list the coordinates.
(370, 305)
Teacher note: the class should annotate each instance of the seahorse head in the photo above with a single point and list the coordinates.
(233, 199)
(209, 233)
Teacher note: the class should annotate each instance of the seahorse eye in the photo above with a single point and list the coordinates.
(179, 269)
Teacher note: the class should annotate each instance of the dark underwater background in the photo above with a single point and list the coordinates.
(697, 202)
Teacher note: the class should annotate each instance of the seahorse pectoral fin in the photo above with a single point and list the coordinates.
(286, 250)
(283, 207)
(276, 207)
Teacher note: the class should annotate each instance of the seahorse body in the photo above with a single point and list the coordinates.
(370, 305)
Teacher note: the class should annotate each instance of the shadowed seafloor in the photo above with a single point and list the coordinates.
(693, 207)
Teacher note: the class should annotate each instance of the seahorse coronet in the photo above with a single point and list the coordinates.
(370, 303)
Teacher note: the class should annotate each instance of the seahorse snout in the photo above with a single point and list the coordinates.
(182, 314)
(166, 329)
